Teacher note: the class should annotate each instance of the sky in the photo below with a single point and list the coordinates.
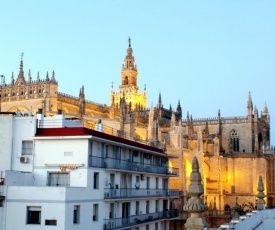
(206, 54)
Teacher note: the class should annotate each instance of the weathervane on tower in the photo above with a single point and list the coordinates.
(129, 40)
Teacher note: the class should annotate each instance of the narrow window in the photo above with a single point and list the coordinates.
(34, 215)
(147, 206)
(157, 183)
(95, 212)
(137, 208)
(156, 226)
(157, 205)
(76, 217)
(96, 180)
(27, 148)
(112, 210)
(234, 140)
(59, 179)
(147, 182)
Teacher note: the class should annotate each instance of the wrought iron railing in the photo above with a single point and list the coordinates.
(118, 193)
(112, 163)
(129, 221)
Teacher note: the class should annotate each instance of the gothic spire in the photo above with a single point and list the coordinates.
(29, 76)
(20, 78)
(265, 109)
(47, 76)
(53, 76)
(159, 101)
(249, 101)
(179, 111)
(249, 107)
(260, 202)
(195, 204)
(12, 78)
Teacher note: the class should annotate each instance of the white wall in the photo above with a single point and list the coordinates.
(13, 131)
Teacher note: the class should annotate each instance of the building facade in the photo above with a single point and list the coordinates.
(64, 176)
(227, 148)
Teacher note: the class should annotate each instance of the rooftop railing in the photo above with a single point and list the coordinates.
(123, 222)
(112, 163)
(120, 193)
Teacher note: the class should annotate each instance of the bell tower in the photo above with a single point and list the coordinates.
(134, 98)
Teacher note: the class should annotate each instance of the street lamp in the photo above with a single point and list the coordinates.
(2, 76)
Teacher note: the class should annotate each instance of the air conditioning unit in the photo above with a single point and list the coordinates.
(106, 195)
(24, 159)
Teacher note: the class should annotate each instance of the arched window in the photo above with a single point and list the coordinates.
(234, 138)
(126, 80)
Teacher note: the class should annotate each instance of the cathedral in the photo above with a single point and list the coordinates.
(231, 151)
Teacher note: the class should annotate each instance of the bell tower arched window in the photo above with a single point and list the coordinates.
(234, 139)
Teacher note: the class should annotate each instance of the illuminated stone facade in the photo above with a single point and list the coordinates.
(28, 95)
(135, 99)
(232, 151)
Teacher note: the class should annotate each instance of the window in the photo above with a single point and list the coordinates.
(95, 212)
(147, 182)
(156, 226)
(76, 217)
(147, 227)
(96, 180)
(112, 180)
(59, 179)
(34, 215)
(137, 208)
(147, 206)
(157, 205)
(234, 142)
(112, 210)
(27, 148)
(50, 222)
(157, 183)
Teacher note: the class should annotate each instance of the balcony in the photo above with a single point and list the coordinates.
(125, 222)
(112, 163)
(122, 193)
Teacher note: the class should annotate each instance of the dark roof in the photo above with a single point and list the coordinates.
(81, 131)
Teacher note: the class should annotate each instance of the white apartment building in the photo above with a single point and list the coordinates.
(59, 175)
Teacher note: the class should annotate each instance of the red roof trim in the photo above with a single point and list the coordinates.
(81, 131)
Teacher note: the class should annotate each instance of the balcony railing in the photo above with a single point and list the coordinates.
(123, 222)
(111, 163)
(119, 193)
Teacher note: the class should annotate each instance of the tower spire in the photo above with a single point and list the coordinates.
(20, 78)
(129, 41)
(249, 107)
(195, 204)
(160, 102)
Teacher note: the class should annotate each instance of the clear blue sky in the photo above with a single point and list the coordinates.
(207, 54)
